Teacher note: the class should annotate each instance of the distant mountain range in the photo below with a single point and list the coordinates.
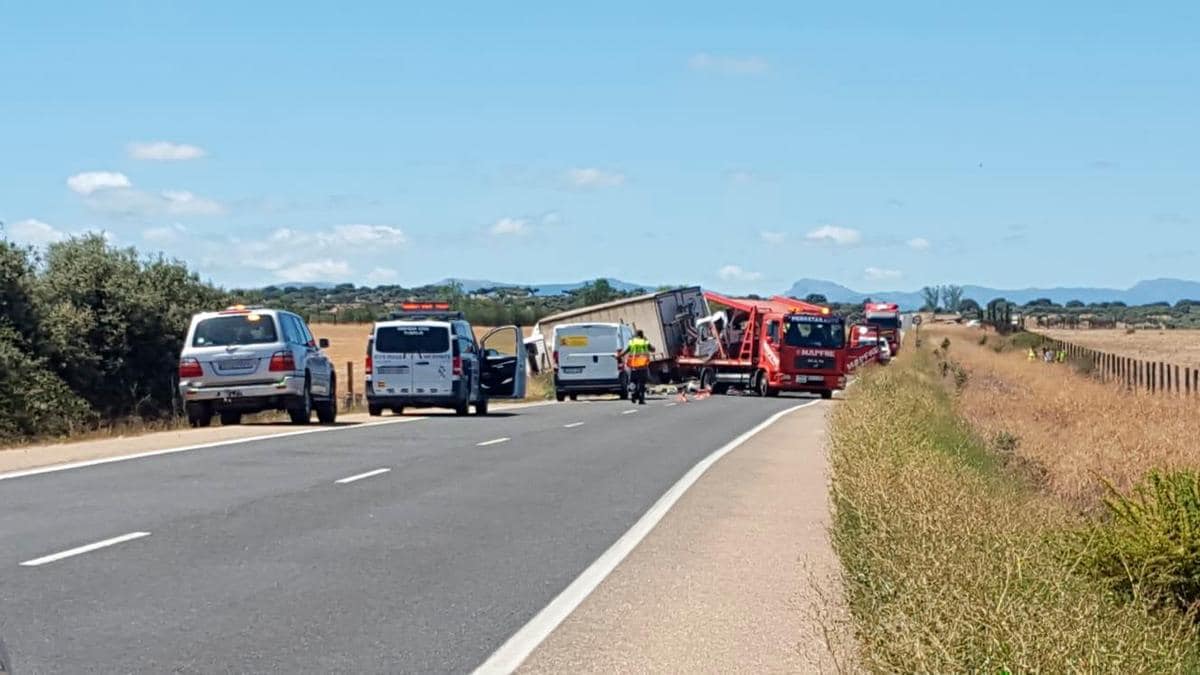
(1141, 293)
(472, 285)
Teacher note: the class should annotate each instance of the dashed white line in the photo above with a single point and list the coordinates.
(494, 441)
(351, 479)
(572, 425)
(84, 549)
(629, 412)
(672, 404)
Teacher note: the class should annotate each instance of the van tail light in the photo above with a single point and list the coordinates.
(283, 362)
(369, 364)
(190, 368)
(456, 365)
(556, 358)
(620, 363)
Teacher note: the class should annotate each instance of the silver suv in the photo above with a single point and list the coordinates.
(248, 359)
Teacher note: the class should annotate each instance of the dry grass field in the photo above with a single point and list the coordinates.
(1173, 346)
(348, 344)
(1076, 431)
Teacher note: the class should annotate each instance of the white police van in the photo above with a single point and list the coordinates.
(426, 356)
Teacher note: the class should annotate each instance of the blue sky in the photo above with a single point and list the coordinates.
(883, 145)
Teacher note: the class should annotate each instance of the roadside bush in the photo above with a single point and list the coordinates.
(1149, 548)
(33, 400)
(945, 344)
(983, 339)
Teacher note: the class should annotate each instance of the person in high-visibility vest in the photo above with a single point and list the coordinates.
(637, 359)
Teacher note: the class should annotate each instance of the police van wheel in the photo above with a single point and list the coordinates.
(481, 406)
(374, 410)
(559, 396)
(574, 397)
(461, 408)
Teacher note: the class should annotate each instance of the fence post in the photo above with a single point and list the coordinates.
(1178, 389)
(350, 383)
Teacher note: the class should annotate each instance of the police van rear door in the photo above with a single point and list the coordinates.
(503, 361)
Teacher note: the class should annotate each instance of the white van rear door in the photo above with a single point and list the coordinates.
(587, 352)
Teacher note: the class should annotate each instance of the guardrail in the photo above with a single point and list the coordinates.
(1135, 374)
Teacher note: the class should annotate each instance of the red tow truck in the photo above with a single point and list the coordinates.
(770, 346)
(886, 317)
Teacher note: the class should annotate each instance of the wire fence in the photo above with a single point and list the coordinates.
(1134, 374)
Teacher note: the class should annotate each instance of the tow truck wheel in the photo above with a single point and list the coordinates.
(826, 394)
(762, 385)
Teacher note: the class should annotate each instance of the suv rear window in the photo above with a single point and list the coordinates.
(412, 339)
(241, 329)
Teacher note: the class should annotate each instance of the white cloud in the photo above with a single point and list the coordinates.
(510, 227)
(741, 177)
(184, 203)
(34, 232)
(314, 270)
(165, 151)
(773, 237)
(373, 235)
(736, 273)
(879, 274)
(842, 236)
(164, 235)
(728, 65)
(382, 275)
(90, 181)
(918, 243)
(595, 178)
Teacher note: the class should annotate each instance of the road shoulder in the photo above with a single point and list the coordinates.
(738, 576)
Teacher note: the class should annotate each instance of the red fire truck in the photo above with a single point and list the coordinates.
(769, 346)
(886, 317)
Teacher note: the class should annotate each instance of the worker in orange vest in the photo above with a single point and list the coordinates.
(637, 359)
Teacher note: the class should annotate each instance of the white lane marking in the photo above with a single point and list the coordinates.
(232, 441)
(671, 404)
(629, 412)
(84, 549)
(572, 425)
(199, 446)
(513, 652)
(351, 479)
(494, 441)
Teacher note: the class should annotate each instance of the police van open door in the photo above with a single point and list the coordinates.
(503, 363)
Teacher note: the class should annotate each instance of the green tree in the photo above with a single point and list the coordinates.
(816, 299)
(1074, 304)
(968, 307)
(952, 297)
(930, 295)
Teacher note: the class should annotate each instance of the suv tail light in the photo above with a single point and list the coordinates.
(456, 365)
(190, 368)
(369, 364)
(283, 362)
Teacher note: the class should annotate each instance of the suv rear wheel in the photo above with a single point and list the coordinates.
(327, 408)
(301, 411)
(230, 418)
(199, 415)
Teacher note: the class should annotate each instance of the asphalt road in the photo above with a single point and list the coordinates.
(257, 559)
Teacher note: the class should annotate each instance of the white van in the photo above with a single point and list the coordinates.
(585, 359)
(429, 358)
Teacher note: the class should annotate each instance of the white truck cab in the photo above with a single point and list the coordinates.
(426, 356)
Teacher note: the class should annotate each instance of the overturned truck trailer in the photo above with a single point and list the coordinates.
(667, 317)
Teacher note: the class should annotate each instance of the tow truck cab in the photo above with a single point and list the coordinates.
(811, 348)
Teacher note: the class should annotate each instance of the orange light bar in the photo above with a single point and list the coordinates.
(425, 306)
